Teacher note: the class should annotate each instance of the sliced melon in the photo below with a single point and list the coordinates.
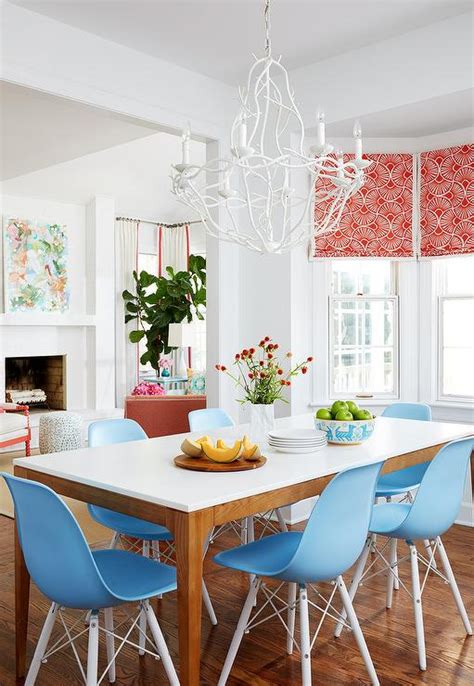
(222, 455)
(191, 448)
(204, 439)
(250, 451)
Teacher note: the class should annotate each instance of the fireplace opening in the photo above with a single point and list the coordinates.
(38, 381)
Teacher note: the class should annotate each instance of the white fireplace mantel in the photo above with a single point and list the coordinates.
(43, 319)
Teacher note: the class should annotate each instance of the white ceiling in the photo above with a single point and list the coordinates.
(436, 115)
(216, 37)
(38, 130)
(135, 174)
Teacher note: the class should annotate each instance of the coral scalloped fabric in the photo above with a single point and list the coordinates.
(377, 220)
(447, 201)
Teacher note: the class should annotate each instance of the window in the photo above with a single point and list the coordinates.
(363, 328)
(455, 279)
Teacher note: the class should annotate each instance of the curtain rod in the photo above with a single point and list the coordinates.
(149, 221)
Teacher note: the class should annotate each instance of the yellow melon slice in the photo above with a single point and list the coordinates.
(250, 451)
(222, 454)
(191, 448)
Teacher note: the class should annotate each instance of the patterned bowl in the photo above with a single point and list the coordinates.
(346, 433)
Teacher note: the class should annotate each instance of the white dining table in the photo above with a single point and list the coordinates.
(140, 478)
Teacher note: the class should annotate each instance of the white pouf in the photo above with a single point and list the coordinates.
(60, 431)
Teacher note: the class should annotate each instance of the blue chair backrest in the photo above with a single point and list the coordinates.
(337, 528)
(209, 419)
(56, 553)
(418, 411)
(439, 496)
(110, 431)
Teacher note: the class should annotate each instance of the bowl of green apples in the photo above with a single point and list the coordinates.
(345, 422)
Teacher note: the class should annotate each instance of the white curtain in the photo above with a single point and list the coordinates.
(126, 353)
(173, 251)
(173, 248)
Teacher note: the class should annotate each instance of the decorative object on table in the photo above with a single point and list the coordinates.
(60, 431)
(181, 336)
(261, 177)
(165, 365)
(146, 388)
(197, 383)
(35, 266)
(345, 422)
(202, 455)
(160, 301)
(205, 465)
(260, 374)
(297, 440)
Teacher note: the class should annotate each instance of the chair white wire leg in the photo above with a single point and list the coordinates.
(392, 572)
(359, 636)
(42, 645)
(114, 540)
(305, 645)
(109, 641)
(417, 606)
(239, 632)
(93, 650)
(362, 561)
(160, 643)
(454, 587)
(291, 617)
(208, 604)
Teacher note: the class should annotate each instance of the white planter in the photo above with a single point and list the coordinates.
(262, 420)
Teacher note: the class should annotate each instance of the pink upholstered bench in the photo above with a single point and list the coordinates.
(15, 426)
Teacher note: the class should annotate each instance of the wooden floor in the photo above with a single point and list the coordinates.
(262, 659)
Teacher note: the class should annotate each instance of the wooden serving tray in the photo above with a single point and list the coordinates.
(203, 464)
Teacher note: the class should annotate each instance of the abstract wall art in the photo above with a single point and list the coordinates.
(35, 266)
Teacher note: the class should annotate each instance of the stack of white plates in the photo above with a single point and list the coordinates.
(297, 440)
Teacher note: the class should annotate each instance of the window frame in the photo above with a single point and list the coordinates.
(440, 395)
(369, 395)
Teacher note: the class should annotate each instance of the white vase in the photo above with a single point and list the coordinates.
(262, 420)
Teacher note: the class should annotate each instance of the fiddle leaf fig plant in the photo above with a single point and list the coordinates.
(163, 300)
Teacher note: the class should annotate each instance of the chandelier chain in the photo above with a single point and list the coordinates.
(268, 41)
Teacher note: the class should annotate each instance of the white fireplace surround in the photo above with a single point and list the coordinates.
(85, 334)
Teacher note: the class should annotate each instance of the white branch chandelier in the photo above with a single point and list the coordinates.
(249, 198)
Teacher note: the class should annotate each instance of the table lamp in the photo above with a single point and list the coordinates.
(181, 336)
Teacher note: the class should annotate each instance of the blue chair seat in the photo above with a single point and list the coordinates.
(401, 481)
(265, 557)
(130, 526)
(134, 577)
(388, 517)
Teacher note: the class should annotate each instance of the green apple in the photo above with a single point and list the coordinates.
(323, 413)
(338, 405)
(344, 416)
(352, 407)
(363, 415)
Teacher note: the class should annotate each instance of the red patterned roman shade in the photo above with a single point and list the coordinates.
(447, 201)
(377, 221)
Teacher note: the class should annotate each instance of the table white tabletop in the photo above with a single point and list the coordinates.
(145, 469)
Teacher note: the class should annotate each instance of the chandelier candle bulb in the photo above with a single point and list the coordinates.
(242, 133)
(358, 140)
(185, 145)
(321, 129)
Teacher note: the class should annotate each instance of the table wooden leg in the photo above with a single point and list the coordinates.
(190, 531)
(22, 601)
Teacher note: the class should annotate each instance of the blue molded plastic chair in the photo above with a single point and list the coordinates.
(331, 542)
(432, 512)
(209, 419)
(112, 431)
(71, 575)
(403, 480)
